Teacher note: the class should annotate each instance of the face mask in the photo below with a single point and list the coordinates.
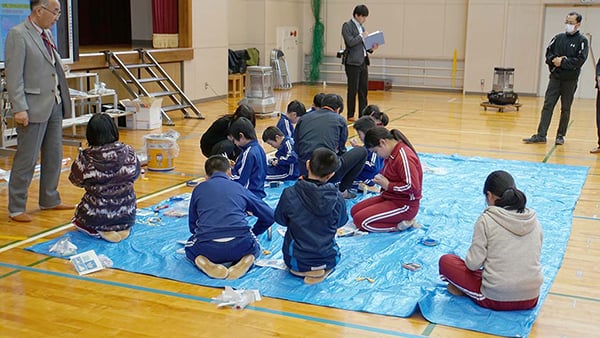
(569, 28)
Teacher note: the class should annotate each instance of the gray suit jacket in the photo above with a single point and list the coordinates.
(354, 44)
(30, 74)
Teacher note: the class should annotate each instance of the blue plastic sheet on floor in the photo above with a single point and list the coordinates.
(369, 276)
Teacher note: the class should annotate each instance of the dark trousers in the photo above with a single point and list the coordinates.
(598, 115)
(565, 89)
(352, 164)
(358, 78)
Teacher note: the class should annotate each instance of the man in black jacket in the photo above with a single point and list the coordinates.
(356, 61)
(565, 55)
(596, 150)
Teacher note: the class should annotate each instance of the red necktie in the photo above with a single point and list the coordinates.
(47, 43)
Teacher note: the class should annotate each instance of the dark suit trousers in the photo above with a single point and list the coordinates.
(358, 78)
(565, 90)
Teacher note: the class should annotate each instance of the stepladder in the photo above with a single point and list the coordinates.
(148, 78)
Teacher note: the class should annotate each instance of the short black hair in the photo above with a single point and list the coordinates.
(270, 133)
(296, 107)
(101, 129)
(578, 16)
(244, 126)
(333, 101)
(360, 10)
(318, 100)
(216, 163)
(323, 162)
(364, 124)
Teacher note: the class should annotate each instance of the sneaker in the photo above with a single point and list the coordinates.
(240, 268)
(406, 224)
(110, 236)
(595, 150)
(560, 140)
(347, 194)
(535, 138)
(211, 269)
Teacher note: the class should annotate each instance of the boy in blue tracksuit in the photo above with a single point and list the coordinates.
(312, 210)
(295, 110)
(250, 169)
(284, 166)
(218, 223)
(374, 163)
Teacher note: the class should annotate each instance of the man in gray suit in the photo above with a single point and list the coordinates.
(39, 97)
(356, 60)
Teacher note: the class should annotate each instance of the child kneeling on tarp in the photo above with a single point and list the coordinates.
(106, 170)
(312, 210)
(221, 235)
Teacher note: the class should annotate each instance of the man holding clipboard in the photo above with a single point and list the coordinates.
(356, 59)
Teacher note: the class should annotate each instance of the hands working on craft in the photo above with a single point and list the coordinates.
(382, 181)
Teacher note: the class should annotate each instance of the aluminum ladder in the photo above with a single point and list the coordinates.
(280, 70)
(149, 72)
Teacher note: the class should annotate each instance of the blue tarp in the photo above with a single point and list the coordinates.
(452, 201)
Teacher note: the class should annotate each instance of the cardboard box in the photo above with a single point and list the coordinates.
(147, 113)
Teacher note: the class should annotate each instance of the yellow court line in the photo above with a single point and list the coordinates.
(69, 225)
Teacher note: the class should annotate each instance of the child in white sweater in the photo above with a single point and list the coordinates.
(502, 270)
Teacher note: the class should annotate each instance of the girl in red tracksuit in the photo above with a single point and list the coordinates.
(400, 180)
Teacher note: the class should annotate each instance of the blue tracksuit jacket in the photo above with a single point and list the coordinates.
(287, 163)
(250, 168)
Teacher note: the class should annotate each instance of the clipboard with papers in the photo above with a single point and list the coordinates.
(372, 39)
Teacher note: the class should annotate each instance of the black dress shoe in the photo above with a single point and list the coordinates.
(535, 138)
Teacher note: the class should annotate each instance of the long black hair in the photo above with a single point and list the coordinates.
(243, 110)
(374, 111)
(374, 135)
(502, 184)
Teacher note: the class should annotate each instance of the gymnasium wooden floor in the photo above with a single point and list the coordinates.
(44, 296)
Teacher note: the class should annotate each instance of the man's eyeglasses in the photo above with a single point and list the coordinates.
(56, 14)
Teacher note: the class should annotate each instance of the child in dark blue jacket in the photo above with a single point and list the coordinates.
(284, 166)
(217, 220)
(312, 210)
(250, 168)
(374, 163)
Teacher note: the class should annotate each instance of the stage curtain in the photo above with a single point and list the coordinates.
(164, 16)
(165, 23)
